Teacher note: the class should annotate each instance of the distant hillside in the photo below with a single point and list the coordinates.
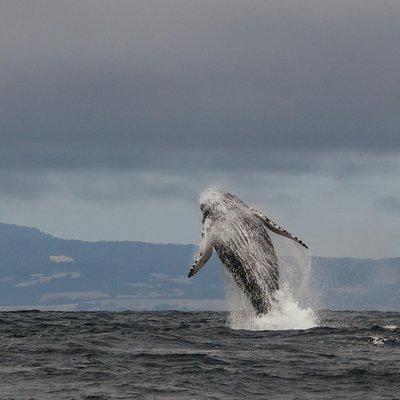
(38, 270)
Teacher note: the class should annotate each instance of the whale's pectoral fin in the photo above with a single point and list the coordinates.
(205, 251)
(203, 257)
(277, 229)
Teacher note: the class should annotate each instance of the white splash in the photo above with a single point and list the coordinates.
(378, 340)
(292, 309)
(390, 327)
(287, 314)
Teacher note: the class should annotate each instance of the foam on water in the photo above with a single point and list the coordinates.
(286, 313)
(292, 308)
(378, 340)
(294, 300)
(390, 327)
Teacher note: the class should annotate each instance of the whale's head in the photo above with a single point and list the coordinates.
(215, 204)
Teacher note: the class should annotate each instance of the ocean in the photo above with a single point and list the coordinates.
(196, 355)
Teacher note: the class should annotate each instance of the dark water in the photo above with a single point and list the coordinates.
(168, 355)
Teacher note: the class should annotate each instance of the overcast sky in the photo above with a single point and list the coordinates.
(115, 115)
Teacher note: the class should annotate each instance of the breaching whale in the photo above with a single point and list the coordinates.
(241, 237)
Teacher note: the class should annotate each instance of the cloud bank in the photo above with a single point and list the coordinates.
(134, 107)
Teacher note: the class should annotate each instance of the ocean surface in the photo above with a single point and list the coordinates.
(179, 355)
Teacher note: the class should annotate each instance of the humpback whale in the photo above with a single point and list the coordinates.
(241, 237)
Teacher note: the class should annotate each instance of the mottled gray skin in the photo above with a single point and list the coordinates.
(240, 236)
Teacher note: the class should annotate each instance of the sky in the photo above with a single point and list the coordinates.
(116, 115)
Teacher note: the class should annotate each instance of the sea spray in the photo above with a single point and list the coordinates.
(292, 308)
(286, 313)
(295, 271)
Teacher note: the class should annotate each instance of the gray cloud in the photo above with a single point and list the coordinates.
(24, 184)
(389, 204)
(185, 85)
